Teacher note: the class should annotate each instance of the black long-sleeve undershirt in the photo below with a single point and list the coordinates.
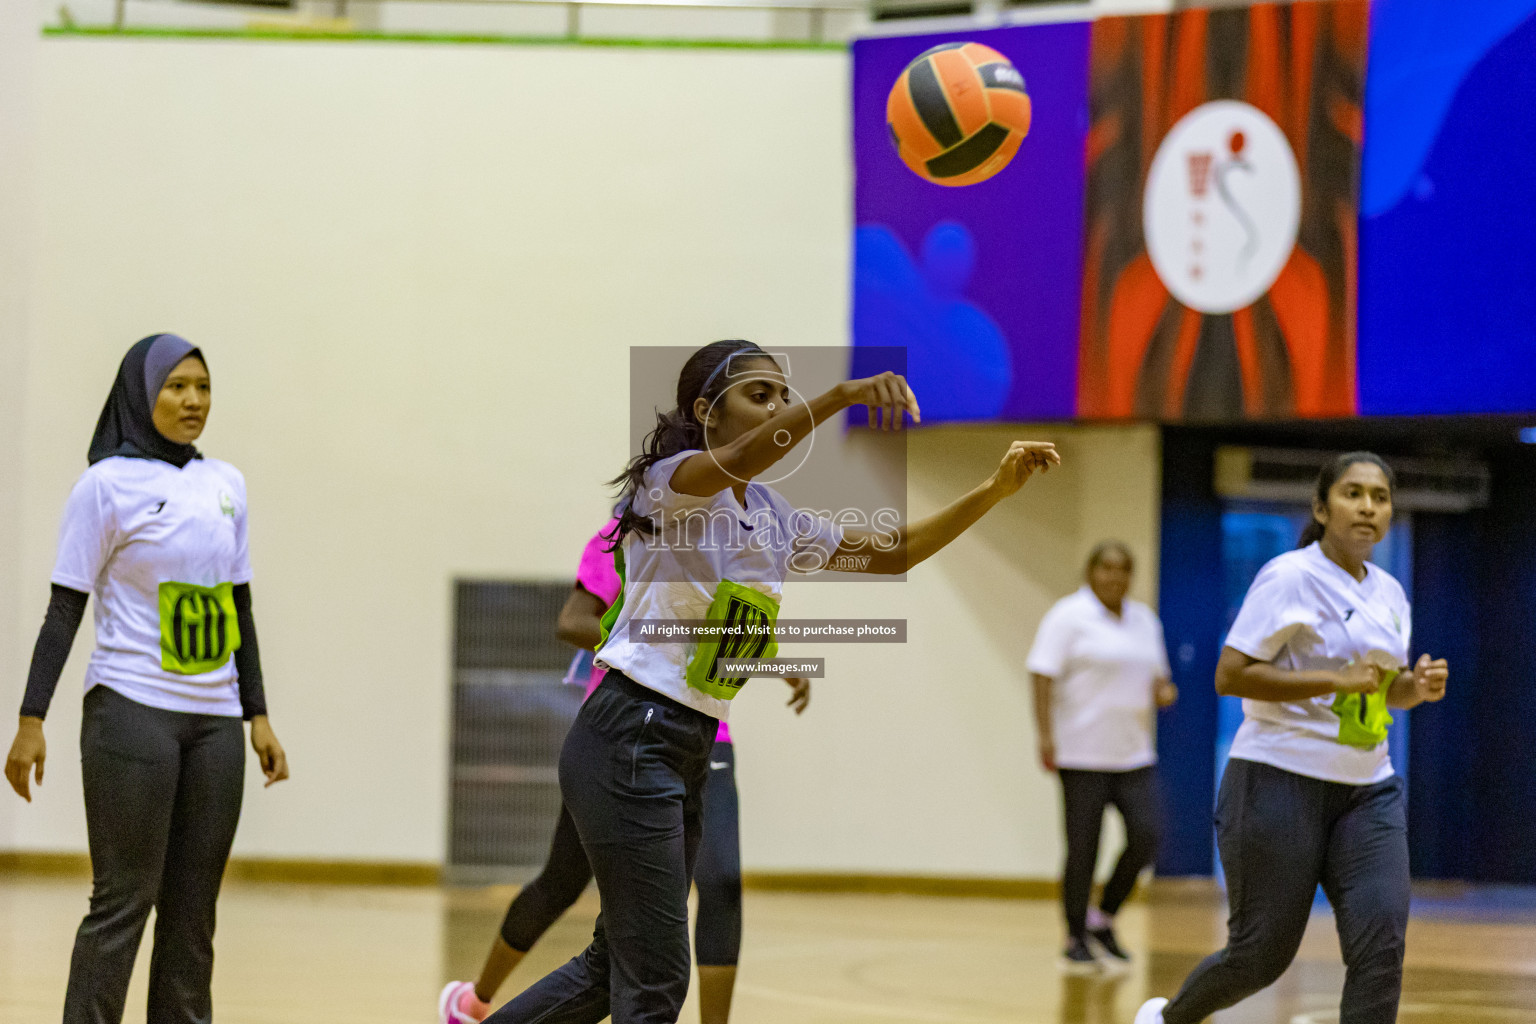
(253, 696)
(66, 610)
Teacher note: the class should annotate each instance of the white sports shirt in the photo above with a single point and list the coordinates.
(1103, 668)
(160, 548)
(707, 551)
(1304, 612)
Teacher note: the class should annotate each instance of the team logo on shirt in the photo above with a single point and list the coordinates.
(198, 629)
(156, 510)
(226, 504)
(745, 619)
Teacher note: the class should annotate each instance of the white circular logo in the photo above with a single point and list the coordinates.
(1222, 207)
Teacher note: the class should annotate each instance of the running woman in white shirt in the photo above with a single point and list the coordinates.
(1100, 670)
(1319, 652)
(158, 534)
(701, 541)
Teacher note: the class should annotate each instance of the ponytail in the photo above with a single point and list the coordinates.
(1311, 533)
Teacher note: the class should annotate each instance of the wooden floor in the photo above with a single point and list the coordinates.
(291, 954)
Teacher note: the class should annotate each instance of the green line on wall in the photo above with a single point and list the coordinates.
(299, 35)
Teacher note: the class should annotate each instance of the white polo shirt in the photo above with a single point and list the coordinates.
(160, 549)
(1103, 668)
(1304, 612)
(678, 573)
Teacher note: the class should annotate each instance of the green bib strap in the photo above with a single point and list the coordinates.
(198, 627)
(1363, 718)
(605, 624)
(750, 615)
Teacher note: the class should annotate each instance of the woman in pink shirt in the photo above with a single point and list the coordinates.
(717, 874)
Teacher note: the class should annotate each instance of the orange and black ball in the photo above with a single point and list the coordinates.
(958, 113)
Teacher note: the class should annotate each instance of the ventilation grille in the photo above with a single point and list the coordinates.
(1289, 474)
(510, 717)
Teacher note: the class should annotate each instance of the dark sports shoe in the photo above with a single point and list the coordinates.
(1077, 958)
(1104, 939)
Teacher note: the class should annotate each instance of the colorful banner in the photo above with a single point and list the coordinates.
(1227, 291)
(980, 283)
(1179, 237)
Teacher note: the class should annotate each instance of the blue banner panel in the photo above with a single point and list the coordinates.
(1448, 199)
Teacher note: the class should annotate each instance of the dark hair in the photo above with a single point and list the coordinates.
(1104, 547)
(704, 375)
(1329, 475)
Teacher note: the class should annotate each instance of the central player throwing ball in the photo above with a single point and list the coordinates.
(633, 767)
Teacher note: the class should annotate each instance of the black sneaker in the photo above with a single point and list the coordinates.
(1077, 958)
(1104, 939)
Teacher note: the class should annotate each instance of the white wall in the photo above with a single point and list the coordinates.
(417, 272)
(18, 45)
(921, 759)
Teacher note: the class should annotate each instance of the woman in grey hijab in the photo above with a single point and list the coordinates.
(157, 533)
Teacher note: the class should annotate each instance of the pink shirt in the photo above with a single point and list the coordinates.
(597, 576)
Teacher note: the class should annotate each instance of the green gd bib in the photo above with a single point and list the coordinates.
(734, 607)
(198, 631)
(1363, 718)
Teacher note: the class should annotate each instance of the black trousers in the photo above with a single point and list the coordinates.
(717, 930)
(632, 774)
(162, 799)
(717, 874)
(1085, 795)
(1281, 835)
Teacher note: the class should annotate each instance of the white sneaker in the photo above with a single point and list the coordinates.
(1151, 1012)
(459, 1005)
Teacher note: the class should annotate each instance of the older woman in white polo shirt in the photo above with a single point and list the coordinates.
(1100, 670)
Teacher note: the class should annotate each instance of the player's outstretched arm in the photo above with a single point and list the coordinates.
(919, 540)
(887, 396)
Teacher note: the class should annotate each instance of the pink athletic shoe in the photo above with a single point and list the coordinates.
(459, 1005)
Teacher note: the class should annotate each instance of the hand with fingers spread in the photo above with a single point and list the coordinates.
(28, 752)
(888, 398)
(799, 693)
(1020, 462)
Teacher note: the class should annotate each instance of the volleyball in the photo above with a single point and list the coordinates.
(958, 113)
